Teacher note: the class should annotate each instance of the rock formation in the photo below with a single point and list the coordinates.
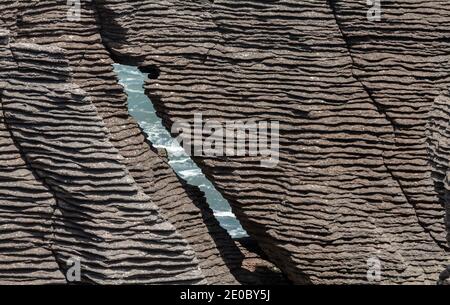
(404, 65)
(93, 209)
(24, 223)
(353, 98)
(157, 188)
(363, 172)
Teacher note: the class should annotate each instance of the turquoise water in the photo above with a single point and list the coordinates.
(142, 110)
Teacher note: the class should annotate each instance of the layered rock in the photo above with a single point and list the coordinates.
(353, 184)
(96, 213)
(46, 23)
(438, 142)
(403, 63)
(363, 174)
(26, 254)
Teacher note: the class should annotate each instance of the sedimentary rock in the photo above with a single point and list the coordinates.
(438, 143)
(256, 269)
(353, 185)
(90, 68)
(363, 172)
(25, 224)
(96, 212)
(402, 61)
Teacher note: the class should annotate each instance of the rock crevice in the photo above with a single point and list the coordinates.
(342, 193)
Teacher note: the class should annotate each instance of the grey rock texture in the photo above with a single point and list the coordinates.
(438, 142)
(364, 120)
(403, 63)
(95, 212)
(355, 179)
(102, 191)
(25, 224)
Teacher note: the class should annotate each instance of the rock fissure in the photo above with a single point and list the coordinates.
(382, 111)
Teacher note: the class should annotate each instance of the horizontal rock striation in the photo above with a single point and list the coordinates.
(403, 62)
(438, 140)
(99, 214)
(353, 185)
(90, 69)
(26, 254)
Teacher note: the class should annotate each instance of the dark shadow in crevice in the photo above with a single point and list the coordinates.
(262, 273)
(153, 71)
(230, 252)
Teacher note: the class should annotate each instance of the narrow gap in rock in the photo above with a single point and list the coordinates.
(141, 108)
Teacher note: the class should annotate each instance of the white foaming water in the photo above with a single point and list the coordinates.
(224, 214)
(142, 110)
